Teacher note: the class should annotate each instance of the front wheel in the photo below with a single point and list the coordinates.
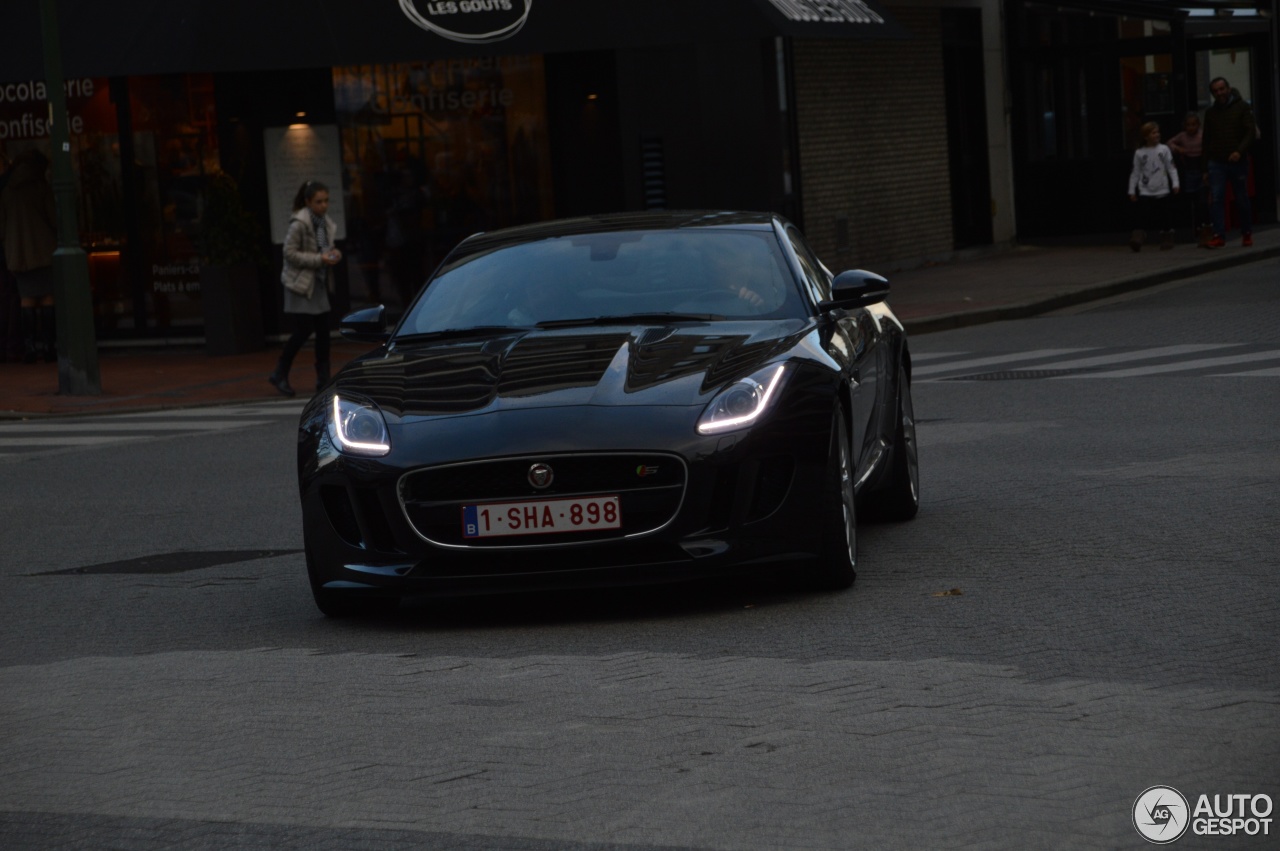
(835, 567)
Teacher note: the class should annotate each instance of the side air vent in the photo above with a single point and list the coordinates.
(341, 513)
(359, 517)
(773, 480)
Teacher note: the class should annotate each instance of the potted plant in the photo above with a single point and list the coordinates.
(230, 257)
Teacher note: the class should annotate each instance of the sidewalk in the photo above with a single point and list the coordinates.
(1030, 280)
(1004, 285)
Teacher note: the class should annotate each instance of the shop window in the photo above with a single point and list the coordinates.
(433, 152)
(1066, 28)
(1127, 28)
(1058, 115)
(175, 149)
(138, 198)
(1235, 64)
(95, 157)
(1146, 94)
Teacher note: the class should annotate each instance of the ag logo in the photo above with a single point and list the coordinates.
(469, 21)
(1161, 814)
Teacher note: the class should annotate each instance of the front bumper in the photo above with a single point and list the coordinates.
(750, 500)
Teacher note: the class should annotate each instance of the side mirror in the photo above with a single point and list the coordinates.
(365, 326)
(857, 288)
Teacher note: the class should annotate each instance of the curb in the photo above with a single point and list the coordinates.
(1022, 310)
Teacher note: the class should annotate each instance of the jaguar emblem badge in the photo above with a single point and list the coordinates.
(541, 476)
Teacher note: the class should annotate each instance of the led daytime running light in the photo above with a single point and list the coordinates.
(735, 422)
(345, 442)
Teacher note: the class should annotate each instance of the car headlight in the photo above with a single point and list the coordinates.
(358, 428)
(742, 402)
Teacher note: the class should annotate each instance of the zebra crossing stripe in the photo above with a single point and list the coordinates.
(273, 409)
(915, 358)
(995, 359)
(33, 436)
(46, 427)
(1144, 354)
(1182, 366)
(1274, 372)
(67, 440)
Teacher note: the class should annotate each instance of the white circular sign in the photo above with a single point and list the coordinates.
(1161, 815)
(469, 21)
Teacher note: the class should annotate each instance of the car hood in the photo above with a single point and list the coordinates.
(679, 365)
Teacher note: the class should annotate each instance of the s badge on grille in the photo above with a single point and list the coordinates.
(541, 475)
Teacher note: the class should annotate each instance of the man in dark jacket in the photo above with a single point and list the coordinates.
(1229, 132)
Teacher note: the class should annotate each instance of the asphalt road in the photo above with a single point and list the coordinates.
(1099, 487)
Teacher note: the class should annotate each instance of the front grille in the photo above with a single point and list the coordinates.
(650, 488)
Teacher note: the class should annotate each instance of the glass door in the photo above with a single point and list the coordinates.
(1235, 64)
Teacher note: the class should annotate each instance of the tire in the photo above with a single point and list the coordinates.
(899, 499)
(348, 604)
(836, 566)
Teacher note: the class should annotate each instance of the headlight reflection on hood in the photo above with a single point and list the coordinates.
(741, 403)
(358, 428)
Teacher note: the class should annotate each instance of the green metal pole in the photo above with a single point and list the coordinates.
(73, 300)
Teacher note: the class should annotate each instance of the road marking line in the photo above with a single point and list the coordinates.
(1274, 372)
(1144, 354)
(1175, 367)
(916, 358)
(69, 440)
(45, 427)
(271, 409)
(995, 359)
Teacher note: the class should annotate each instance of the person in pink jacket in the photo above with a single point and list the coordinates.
(1188, 153)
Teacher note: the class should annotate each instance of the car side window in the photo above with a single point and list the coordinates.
(816, 277)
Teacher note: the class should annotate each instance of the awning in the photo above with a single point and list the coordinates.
(173, 36)
(1156, 10)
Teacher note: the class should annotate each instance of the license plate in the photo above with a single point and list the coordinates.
(541, 516)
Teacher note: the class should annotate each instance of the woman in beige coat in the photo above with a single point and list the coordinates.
(308, 254)
(28, 227)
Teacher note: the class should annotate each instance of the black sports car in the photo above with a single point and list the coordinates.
(623, 399)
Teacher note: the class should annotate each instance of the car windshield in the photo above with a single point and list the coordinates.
(610, 277)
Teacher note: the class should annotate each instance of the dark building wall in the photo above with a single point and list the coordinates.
(871, 120)
(706, 108)
(586, 146)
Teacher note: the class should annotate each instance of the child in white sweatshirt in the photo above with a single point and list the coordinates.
(1152, 185)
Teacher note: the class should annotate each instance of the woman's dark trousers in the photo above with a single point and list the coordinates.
(304, 325)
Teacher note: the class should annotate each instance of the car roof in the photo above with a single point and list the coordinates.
(648, 220)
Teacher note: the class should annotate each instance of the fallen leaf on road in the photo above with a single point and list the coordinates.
(954, 592)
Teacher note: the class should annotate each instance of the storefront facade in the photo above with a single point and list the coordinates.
(1089, 73)
(836, 114)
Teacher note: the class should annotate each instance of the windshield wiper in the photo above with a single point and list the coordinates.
(473, 331)
(630, 319)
